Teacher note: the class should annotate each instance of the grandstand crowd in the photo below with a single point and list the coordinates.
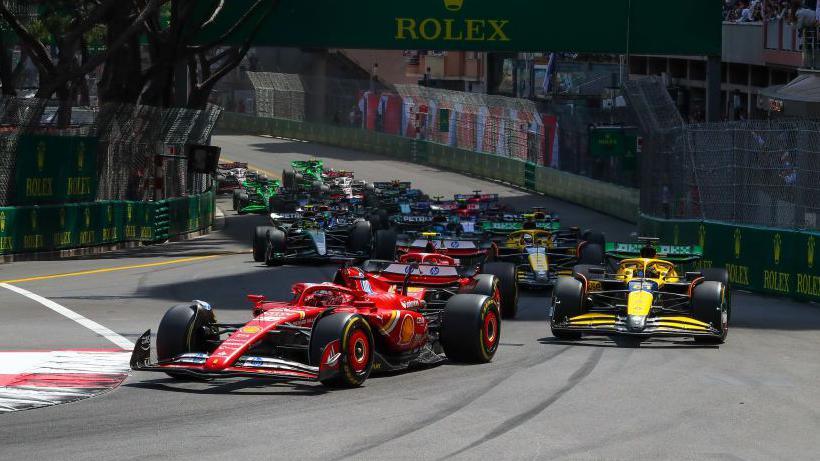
(801, 12)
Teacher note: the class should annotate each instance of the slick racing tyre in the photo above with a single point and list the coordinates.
(242, 201)
(591, 254)
(184, 329)
(715, 274)
(236, 193)
(584, 269)
(260, 240)
(567, 303)
(595, 237)
(360, 238)
(471, 328)
(349, 336)
(276, 244)
(709, 304)
(508, 285)
(288, 180)
(384, 245)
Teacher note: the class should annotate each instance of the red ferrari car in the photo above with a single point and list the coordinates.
(434, 278)
(326, 333)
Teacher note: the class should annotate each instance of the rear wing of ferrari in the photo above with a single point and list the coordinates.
(672, 253)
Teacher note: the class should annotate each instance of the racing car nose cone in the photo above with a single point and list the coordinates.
(636, 322)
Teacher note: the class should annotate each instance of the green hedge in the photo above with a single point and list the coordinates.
(610, 199)
(773, 261)
(77, 225)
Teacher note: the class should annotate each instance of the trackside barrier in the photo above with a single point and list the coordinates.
(618, 201)
(79, 225)
(772, 261)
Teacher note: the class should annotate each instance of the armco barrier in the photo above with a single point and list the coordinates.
(773, 261)
(611, 199)
(78, 225)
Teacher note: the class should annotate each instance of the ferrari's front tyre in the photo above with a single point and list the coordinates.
(471, 328)
(710, 305)
(184, 329)
(567, 302)
(260, 241)
(507, 284)
(341, 345)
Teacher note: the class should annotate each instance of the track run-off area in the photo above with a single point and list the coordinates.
(756, 397)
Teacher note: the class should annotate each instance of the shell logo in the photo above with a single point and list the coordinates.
(251, 330)
(453, 5)
(738, 236)
(408, 328)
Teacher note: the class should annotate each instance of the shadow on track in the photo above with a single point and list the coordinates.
(232, 387)
(602, 342)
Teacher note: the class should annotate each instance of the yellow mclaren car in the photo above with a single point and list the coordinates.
(643, 296)
(540, 256)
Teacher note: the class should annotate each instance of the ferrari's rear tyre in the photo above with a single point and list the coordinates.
(471, 328)
(360, 238)
(260, 240)
(591, 254)
(288, 179)
(709, 304)
(183, 329)
(348, 335)
(276, 245)
(384, 245)
(507, 284)
(567, 302)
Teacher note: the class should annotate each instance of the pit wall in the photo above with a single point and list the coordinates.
(613, 200)
(36, 229)
(764, 260)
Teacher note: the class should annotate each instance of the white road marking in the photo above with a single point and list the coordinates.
(64, 362)
(110, 335)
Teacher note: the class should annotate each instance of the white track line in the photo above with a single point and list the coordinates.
(110, 335)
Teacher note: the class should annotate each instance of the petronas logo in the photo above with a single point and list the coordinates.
(676, 231)
(81, 157)
(453, 5)
(738, 236)
(41, 156)
(809, 256)
(87, 218)
(702, 236)
(778, 248)
(33, 217)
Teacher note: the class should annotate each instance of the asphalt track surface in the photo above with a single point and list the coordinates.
(756, 397)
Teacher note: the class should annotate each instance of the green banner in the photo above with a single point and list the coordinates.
(594, 26)
(774, 261)
(55, 169)
(77, 225)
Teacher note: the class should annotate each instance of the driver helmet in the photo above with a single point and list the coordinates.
(528, 240)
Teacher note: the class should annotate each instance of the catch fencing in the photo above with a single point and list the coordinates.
(496, 125)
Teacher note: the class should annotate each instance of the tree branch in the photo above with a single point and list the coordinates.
(39, 53)
(239, 23)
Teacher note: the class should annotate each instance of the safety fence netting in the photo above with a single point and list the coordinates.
(139, 150)
(491, 124)
(752, 172)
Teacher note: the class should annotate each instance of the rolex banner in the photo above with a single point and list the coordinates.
(43, 228)
(773, 261)
(55, 169)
